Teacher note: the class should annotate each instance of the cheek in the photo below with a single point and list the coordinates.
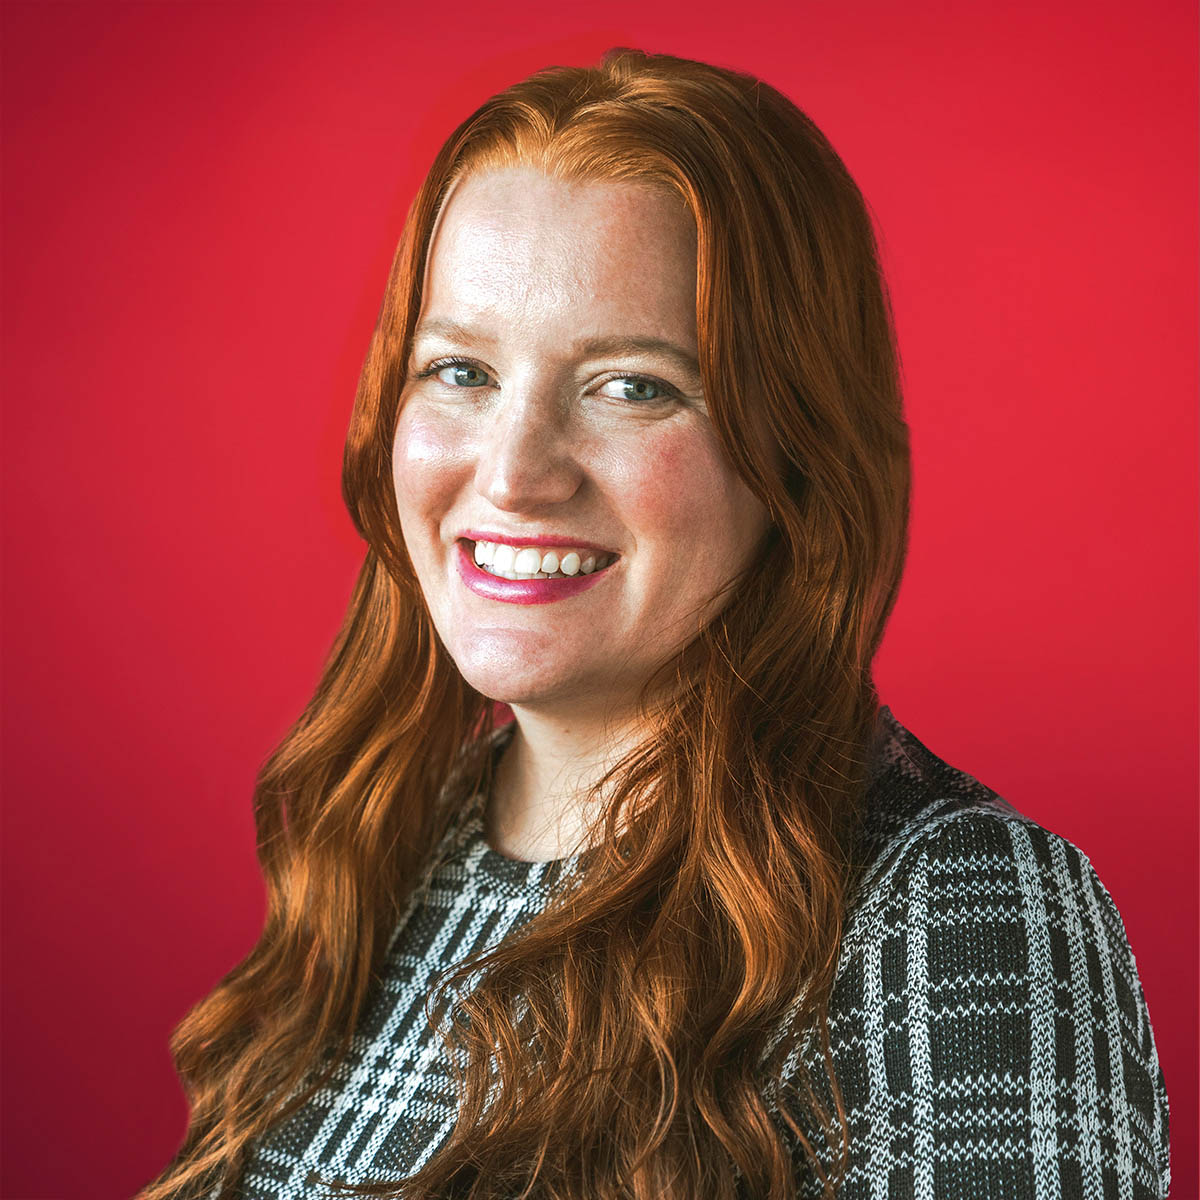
(654, 486)
(429, 458)
(680, 488)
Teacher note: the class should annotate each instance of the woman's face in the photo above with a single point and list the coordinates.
(553, 411)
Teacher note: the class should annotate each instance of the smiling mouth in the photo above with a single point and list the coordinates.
(532, 562)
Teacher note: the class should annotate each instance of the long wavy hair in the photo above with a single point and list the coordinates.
(629, 1040)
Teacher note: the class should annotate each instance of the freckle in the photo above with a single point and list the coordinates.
(664, 469)
(668, 455)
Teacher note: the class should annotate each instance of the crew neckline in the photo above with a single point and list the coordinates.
(523, 874)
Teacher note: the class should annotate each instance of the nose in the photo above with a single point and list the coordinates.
(527, 459)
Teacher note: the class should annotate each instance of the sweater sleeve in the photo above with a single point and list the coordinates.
(989, 1030)
(1030, 1058)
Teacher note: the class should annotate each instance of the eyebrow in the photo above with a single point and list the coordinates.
(594, 347)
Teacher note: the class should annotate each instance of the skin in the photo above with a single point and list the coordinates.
(544, 436)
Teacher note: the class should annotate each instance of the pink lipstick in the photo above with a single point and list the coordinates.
(521, 591)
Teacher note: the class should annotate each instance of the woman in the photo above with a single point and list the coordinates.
(702, 919)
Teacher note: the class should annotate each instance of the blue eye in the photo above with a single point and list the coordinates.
(641, 389)
(463, 374)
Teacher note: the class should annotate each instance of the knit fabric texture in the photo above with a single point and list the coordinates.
(990, 1035)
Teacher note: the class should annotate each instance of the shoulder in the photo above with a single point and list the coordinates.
(936, 835)
(988, 1000)
(940, 842)
(994, 906)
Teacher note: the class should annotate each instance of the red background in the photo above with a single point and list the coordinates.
(201, 201)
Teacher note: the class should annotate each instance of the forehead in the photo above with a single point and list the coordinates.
(516, 242)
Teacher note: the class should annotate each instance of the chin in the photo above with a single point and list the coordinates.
(505, 691)
(496, 662)
(498, 681)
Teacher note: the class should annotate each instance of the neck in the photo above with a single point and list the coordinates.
(538, 809)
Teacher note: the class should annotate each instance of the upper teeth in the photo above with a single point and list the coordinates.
(528, 562)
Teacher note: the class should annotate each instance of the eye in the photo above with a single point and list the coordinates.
(456, 372)
(641, 389)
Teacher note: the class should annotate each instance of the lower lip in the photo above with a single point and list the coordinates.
(522, 591)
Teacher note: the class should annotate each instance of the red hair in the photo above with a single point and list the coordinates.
(637, 1026)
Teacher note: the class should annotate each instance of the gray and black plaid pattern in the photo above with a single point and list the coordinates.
(989, 1030)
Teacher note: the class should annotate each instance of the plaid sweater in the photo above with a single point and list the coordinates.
(989, 1030)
